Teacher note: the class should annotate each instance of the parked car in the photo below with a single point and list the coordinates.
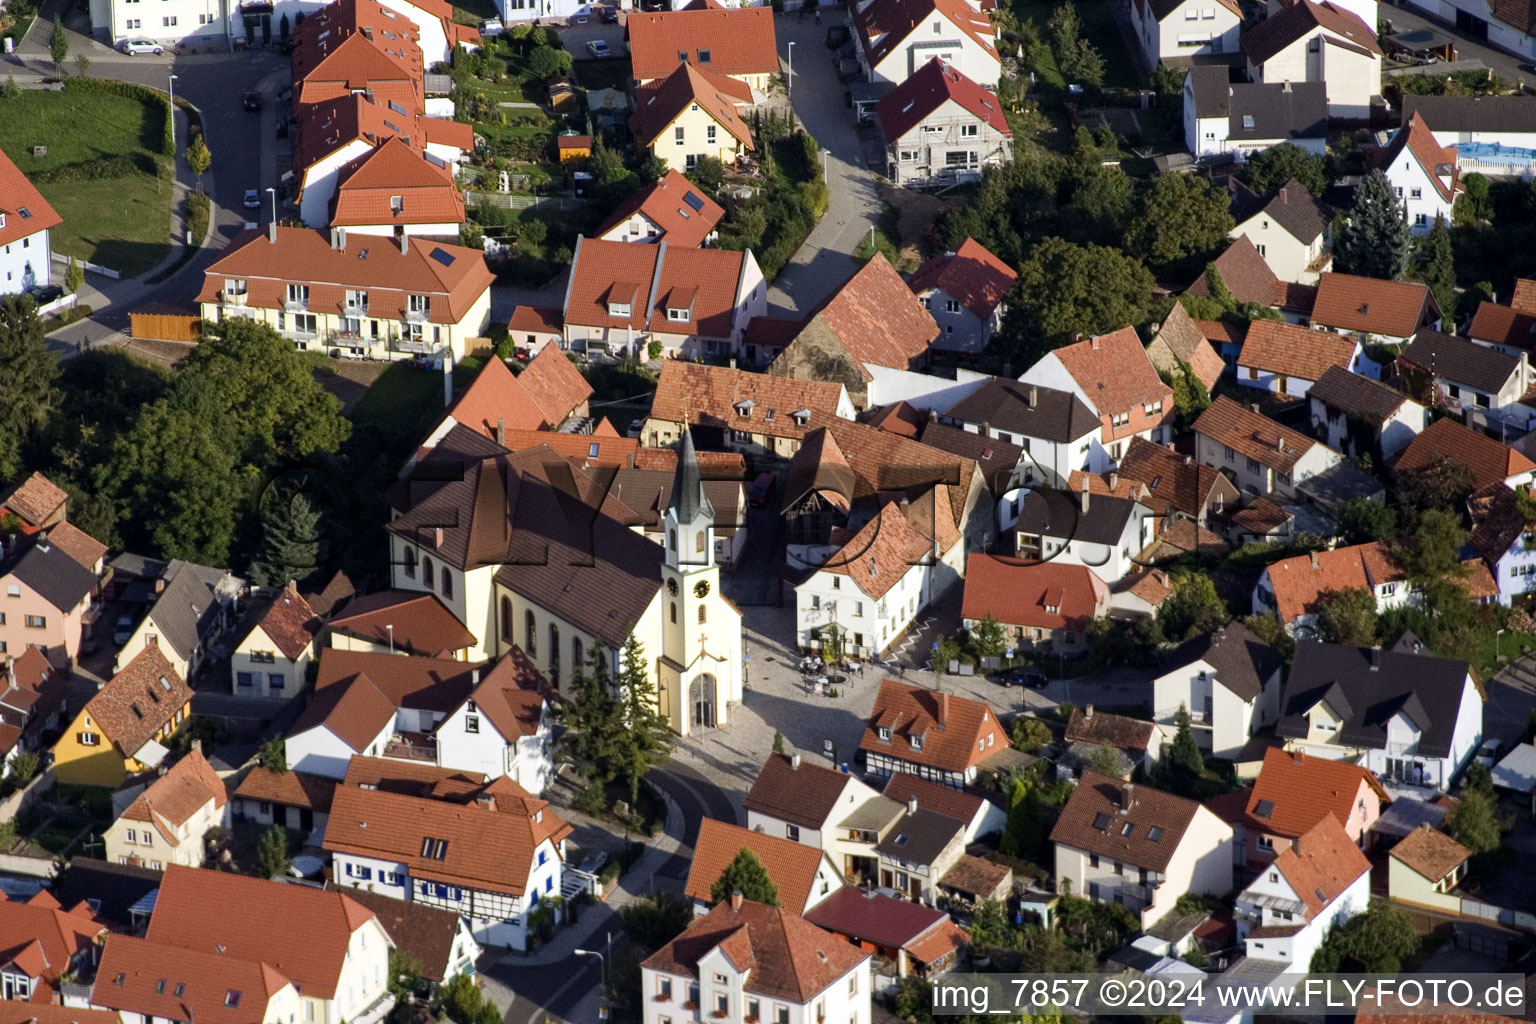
(43, 294)
(594, 861)
(252, 102)
(1488, 753)
(762, 487)
(140, 47)
(1027, 677)
(611, 14)
(582, 16)
(252, 199)
(599, 49)
(491, 27)
(837, 35)
(634, 428)
(123, 630)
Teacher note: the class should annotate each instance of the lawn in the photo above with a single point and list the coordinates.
(403, 395)
(120, 221)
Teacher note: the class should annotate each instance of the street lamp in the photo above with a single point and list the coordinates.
(172, 113)
(273, 192)
(824, 154)
(1496, 645)
(791, 88)
(388, 626)
(602, 963)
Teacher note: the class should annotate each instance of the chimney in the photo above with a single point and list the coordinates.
(733, 362)
(912, 805)
(1300, 756)
(943, 708)
(1375, 659)
(151, 640)
(1088, 712)
(1295, 840)
(474, 677)
(1094, 342)
(1127, 797)
(272, 232)
(437, 536)
(794, 762)
(405, 244)
(501, 430)
(160, 585)
(1034, 396)
(1189, 460)
(1287, 86)
(736, 899)
(197, 746)
(1314, 559)
(1114, 479)
(1085, 495)
(1280, 443)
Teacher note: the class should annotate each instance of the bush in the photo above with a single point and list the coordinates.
(120, 166)
(109, 87)
(79, 311)
(197, 216)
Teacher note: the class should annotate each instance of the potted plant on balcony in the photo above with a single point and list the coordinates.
(691, 1004)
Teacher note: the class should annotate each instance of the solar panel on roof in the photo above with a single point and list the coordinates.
(694, 201)
(443, 256)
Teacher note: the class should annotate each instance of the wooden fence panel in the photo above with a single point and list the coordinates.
(166, 327)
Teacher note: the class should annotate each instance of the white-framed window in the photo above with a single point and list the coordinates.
(709, 134)
(169, 21)
(792, 833)
(970, 131)
(1416, 193)
(679, 135)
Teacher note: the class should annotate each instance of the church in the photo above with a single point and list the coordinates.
(529, 549)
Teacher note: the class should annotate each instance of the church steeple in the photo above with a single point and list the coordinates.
(690, 517)
(688, 498)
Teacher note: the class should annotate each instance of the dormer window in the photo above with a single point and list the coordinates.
(397, 205)
(418, 304)
(883, 732)
(916, 740)
(801, 417)
(619, 309)
(682, 56)
(703, 56)
(232, 285)
(434, 849)
(744, 408)
(678, 316)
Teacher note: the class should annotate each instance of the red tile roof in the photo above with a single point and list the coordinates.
(791, 867)
(173, 798)
(1299, 581)
(429, 684)
(1438, 162)
(1097, 727)
(536, 320)
(804, 793)
(452, 277)
(1430, 852)
(36, 501)
(929, 88)
(883, 551)
(1490, 461)
(970, 275)
(367, 188)
(1394, 309)
(882, 26)
(291, 789)
(1024, 593)
(739, 41)
(1503, 325)
(427, 933)
(137, 702)
(495, 396)
(877, 318)
(685, 215)
(46, 937)
(77, 544)
(14, 1011)
(934, 796)
(651, 279)
(357, 62)
(511, 696)
(586, 450)
(1253, 434)
(412, 778)
(1301, 791)
(914, 712)
(201, 910)
(554, 385)
(658, 103)
(140, 977)
(900, 419)
(488, 846)
(323, 32)
(1245, 274)
(1282, 348)
(781, 955)
(1322, 864)
(703, 395)
(1173, 482)
(422, 623)
(17, 194)
(704, 282)
(288, 622)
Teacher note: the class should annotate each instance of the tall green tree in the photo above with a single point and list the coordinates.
(746, 874)
(272, 852)
(593, 721)
(1272, 168)
(653, 921)
(1362, 520)
(27, 374)
(1474, 204)
(988, 638)
(1373, 942)
(1079, 61)
(1065, 288)
(1193, 608)
(74, 277)
(1347, 616)
(273, 755)
(1441, 484)
(1475, 823)
(291, 535)
(646, 738)
(198, 158)
(1434, 263)
(1374, 240)
(1179, 217)
(58, 43)
(1184, 757)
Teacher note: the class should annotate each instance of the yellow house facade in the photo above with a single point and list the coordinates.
(692, 113)
(122, 730)
(693, 133)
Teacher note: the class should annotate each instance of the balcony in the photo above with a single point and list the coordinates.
(417, 316)
(412, 746)
(351, 308)
(376, 1011)
(234, 296)
(296, 304)
(419, 346)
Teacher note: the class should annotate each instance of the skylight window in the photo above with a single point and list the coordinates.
(1127, 830)
(1320, 894)
(1264, 809)
(1247, 120)
(232, 998)
(24, 213)
(160, 987)
(1155, 834)
(901, 840)
(434, 849)
(1101, 821)
(165, 684)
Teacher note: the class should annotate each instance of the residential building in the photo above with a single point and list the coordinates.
(1293, 793)
(1246, 276)
(691, 113)
(1104, 533)
(336, 957)
(1262, 455)
(190, 608)
(1287, 360)
(756, 414)
(440, 940)
(50, 570)
(26, 252)
(358, 295)
(44, 942)
(980, 816)
(121, 730)
(867, 334)
(277, 641)
(804, 875)
(168, 823)
(695, 302)
(930, 734)
(1493, 135)
(751, 960)
(1425, 869)
(1293, 588)
(1223, 119)
(405, 622)
(940, 127)
(1490, 461)
(807, 803)
(114, 890)
(1462, 375)
(1139, 847)
(1505, 541)
(1173, 486)
(737, 43)
(1424, 175)
(1114, 378)
(917, 939)
(557, 569)
(31, 697)
(491, 859)
(298, 801)
(672, 208)
(1318, 42)
(391, 191)
(542, 398)
(1411, 718)
(144, 981)
(1288, 227)
(504, 727)
(1386, 311)
(1057, 430)
(1360, 416)
(1137, 742)
(918, 851)
(1316, 884)
(1041, 605)
(1510, 329)
(965, 291)
(896, 38)
(1228, 681)
(1173, 32)
(1179, 346)
(16, 1011)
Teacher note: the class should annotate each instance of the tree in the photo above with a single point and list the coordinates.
(645, 737)
(708, 173)
(464, 1003)
(1268, 629)
(272, 852)
(283, 28)
(747, 875)
(1474, 823)
(1029, 734)
(74, 277)
(1064, 288)
(58, 43)
(1435, 264)
(988, 638)
(653, 921)
(1179, 217)
(1474, 204)
(10, 90)
(291, 534)
(404, 974)
(1373, 942)
(273, 755)
(1184, 757)
(1079, 62)
(198, 158)
(1347, 616)
(1023, 820)
(546, 62)
(1276, 166)
(24, 767)
(1374, 240)
(82, 64)
(27, 374)
(1105, 760)
(1193, 608)
(1190, 395)
(778, 742)
(1363, 520)
(592, 721)
(1443, 483)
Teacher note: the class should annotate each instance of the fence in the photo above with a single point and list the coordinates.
(1498, 915)
(510, 202)
(26, 796)
(92, 268)
(165, 327)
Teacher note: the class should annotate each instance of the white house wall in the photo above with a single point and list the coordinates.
(25, 262)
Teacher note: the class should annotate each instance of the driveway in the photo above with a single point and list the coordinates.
(825, 260)
(1511, 696)
(576, 37)
(1504, 65)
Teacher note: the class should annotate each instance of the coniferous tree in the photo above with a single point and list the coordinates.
(747, 874)
(1374, 240)
(1434, 263)
(272, 852)
(290, 542)
(27, 373)
(592, 720)
(645, 738)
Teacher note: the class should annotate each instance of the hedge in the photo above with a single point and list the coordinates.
(133, 91)
(120, 166)
(197, 216)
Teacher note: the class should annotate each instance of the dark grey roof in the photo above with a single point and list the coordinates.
(45, 568)
(920, 838)
(1338, 484)
(1461, 361)
(1053, 415)
(1296, 210)
(1293, 110)
(1054, 513)
(1368, 687)
(112, 888)
(140, 566)
(1473, 113)
(1242, 661)
(997, 459)
(688, 496)
(1242, 201)
(1356, 394)
(1211, 85)
(184, 611)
